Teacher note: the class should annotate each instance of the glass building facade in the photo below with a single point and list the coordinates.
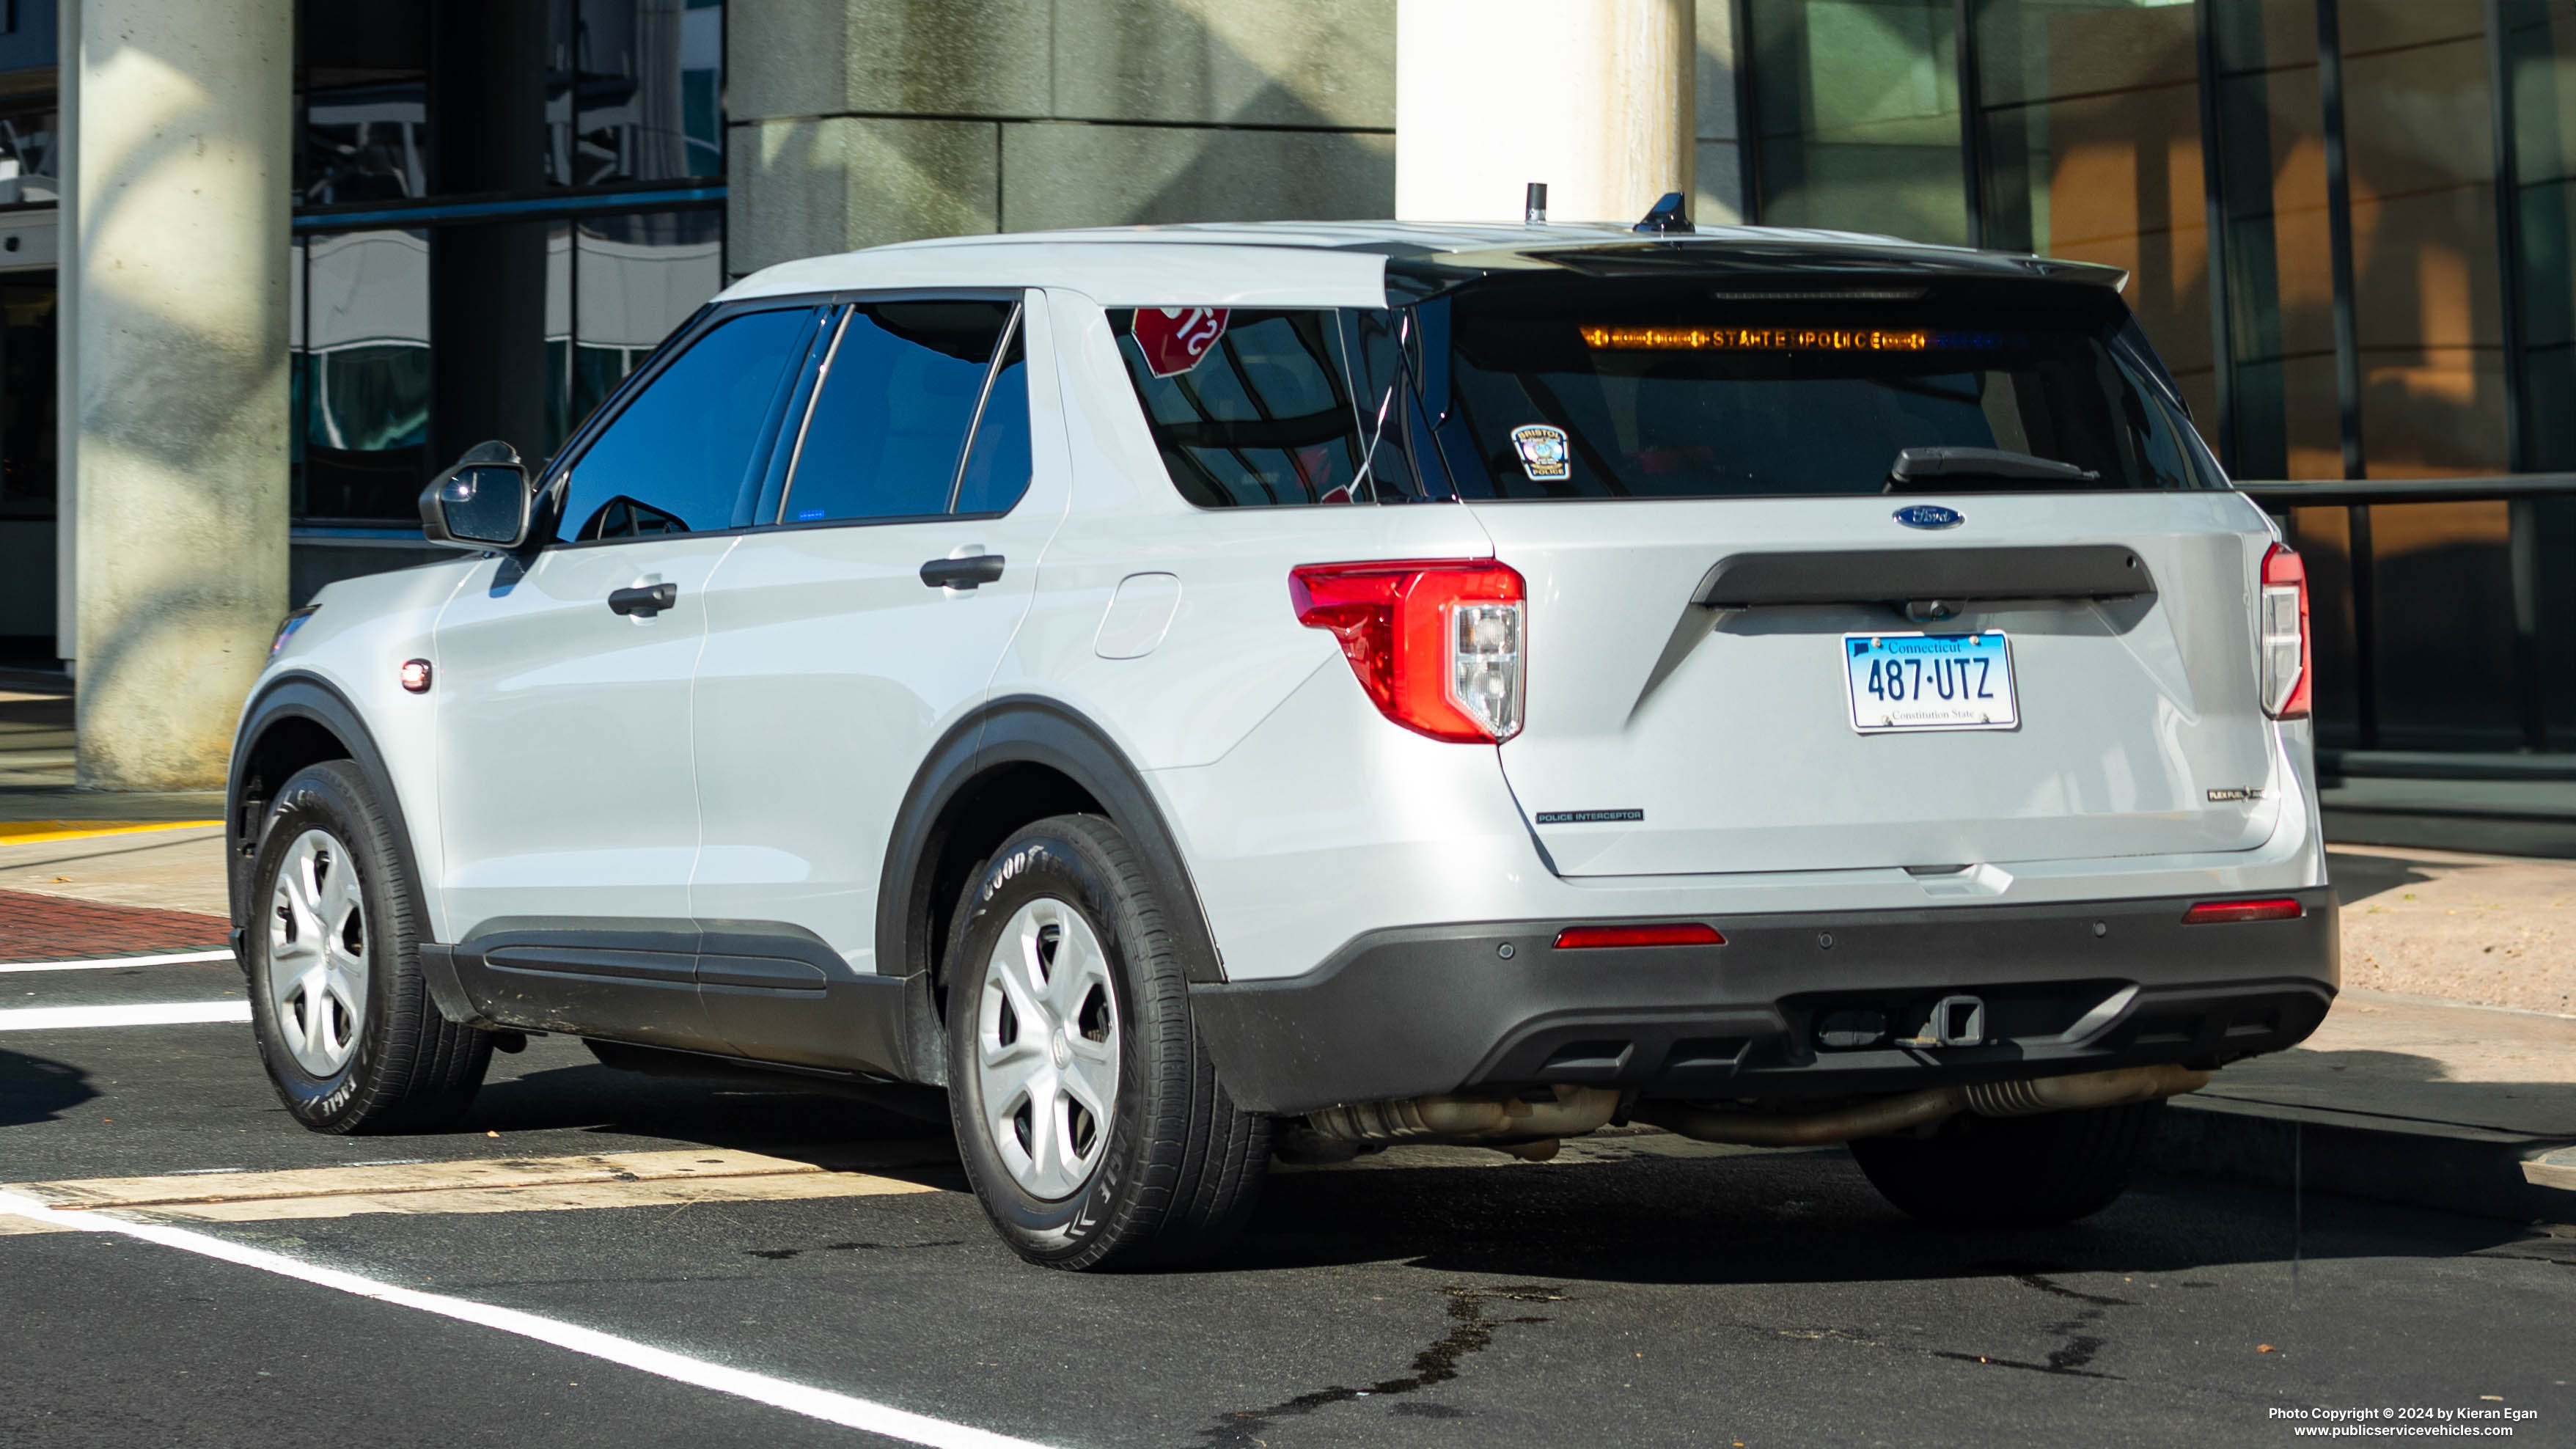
(2348, 228)
(501, 206)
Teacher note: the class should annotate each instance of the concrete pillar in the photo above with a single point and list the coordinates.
(1593, 97)
(176, 408)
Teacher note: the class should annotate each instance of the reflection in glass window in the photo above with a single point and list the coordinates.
(2540, 50)
(2419, 132)
(28, 159)
(27, 396)
(675, 459)
(2280, 283)
(635, 279)
(888, 422)
(646, 78)
(364, 143)
(2091, 119)
(362, 71)
(1859, 116)
(1263, 417)
(998, 462)
(365, 374)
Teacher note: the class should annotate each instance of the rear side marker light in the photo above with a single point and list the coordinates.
(2281, 634)
(1687, 933)
(1441, 646)
(2215, 913)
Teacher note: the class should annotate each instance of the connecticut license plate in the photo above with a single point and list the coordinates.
(1930, 682)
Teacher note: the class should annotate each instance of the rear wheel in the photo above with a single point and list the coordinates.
(344, 1022)
(1089, 1117)
(2011, 1171)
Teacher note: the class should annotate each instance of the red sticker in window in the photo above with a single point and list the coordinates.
(1173, 339)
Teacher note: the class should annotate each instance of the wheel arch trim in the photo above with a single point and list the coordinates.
(303, 695)
(1027, 729)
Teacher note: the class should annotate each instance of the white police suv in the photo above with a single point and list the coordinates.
(1203, 693)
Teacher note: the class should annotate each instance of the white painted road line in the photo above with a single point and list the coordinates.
(814, 1403)
(150, 1013)
(174, 958)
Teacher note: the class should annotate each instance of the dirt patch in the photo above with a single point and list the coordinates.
(2493, 930)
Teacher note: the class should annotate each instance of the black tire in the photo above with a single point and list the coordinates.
(409, 1069)
(2011, 1171)
(1182, 1167)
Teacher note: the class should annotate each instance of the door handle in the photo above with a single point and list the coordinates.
(962, 573)
(644, 599)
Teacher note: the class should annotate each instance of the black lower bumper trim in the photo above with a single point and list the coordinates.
(2070, 987)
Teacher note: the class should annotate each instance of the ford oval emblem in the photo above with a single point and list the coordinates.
(1930, 515)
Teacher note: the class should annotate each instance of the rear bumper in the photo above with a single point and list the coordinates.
(2070, 987)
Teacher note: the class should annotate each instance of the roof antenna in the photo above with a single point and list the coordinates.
(1666, 215)
(1534, 204)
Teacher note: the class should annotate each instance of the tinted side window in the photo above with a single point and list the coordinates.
(887, 424)
(1260, 414)
(997, 462)
(674, 461)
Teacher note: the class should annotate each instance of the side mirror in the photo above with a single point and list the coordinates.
(481, 503)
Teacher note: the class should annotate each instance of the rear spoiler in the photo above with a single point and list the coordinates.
(1904, 575)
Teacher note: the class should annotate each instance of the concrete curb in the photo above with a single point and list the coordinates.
(2451, 1167)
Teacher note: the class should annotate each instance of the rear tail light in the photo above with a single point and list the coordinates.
(1440, 646)
(1685, 933)
(2282, 634)
(2215, 913)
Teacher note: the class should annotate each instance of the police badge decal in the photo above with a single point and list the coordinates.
(1543, 452)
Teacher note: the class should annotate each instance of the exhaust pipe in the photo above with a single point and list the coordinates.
(2081, 1091)
(1575, 1111)
(1531, 1128)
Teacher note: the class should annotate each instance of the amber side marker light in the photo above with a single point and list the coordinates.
(1689, 933)
(415, 675)
(2212, 913)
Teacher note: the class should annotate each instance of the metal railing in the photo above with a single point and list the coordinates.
(2519, 491)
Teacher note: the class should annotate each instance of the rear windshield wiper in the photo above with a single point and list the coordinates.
(1950, 470)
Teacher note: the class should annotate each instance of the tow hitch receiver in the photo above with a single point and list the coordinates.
(1956, 1021)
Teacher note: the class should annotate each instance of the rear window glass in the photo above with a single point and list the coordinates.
(1586, 389)
(1254, 408)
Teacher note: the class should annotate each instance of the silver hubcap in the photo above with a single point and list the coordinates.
(317, 953)
(1046, 1049)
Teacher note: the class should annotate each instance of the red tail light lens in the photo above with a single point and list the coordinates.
(1685, 933)
(2282, 634)
(2214, 913)
(1440, 646)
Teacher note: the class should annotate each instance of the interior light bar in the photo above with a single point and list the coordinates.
(1793, 339)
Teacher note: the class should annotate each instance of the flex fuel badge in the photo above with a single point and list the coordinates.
(1174, 339)
(1543, 452)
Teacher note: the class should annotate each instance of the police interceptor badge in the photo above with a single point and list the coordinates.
(1543, 452)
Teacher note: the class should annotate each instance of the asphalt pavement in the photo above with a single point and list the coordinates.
(1638, 1290)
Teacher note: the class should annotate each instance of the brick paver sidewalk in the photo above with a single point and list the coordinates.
(57, 928)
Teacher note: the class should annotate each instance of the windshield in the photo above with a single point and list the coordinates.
(1559, 388)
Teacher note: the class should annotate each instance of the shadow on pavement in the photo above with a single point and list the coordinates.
(37, 1089)
(2401, 1085)
(2359, 877)
(1793, 1217)
(754, 1114)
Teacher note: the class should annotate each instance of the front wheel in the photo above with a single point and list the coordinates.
(344, 1022)
(1089, 1117)
(2011, 1171)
